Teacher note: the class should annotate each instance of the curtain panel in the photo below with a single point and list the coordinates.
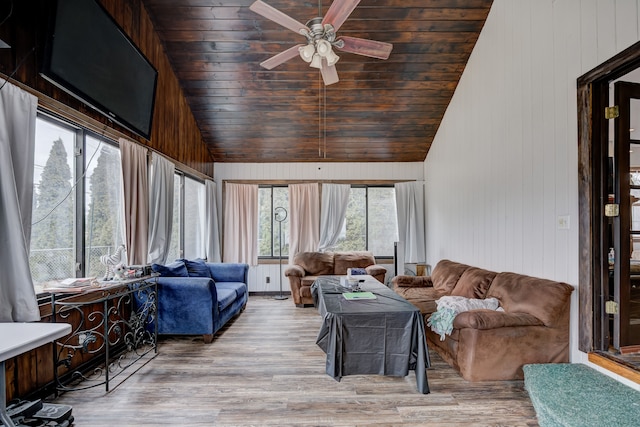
(411, 220)
(160, 209)
(136, 201)
(241, 223)
(17, 144)
(335, 199)
(212, 229)
(304, 225)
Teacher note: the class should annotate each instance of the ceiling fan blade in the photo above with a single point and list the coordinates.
(329, 73)
(282, 57)
(273, 14)
(365, 47)
(338, 12)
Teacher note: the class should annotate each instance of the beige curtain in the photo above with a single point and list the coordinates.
(304, 211)
(241, 223)
(136, 200)
(160, 209)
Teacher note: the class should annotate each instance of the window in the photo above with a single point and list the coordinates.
(193, 214)
(77, 213)
(371, 223)
(53, 245)
(103, 204)
(76, 202)
(270, 230)
(187, 234)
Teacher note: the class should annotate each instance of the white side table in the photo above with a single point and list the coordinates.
(17, 338)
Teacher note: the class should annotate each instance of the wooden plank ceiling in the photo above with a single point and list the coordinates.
(379, 111)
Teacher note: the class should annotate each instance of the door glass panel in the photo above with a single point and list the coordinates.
(634, 168)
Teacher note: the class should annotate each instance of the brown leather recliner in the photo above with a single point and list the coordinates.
(307, 266)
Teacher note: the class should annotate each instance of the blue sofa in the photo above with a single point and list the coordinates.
(197, 298)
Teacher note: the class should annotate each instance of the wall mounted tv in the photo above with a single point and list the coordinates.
(89, 56)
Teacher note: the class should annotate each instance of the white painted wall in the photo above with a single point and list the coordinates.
(504, 163)
(307, 171)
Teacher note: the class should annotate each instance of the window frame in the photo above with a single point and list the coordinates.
(272, 221)
(352, 184)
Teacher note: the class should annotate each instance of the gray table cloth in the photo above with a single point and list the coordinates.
(381, 336)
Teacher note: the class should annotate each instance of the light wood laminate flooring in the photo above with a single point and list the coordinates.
(264, 369)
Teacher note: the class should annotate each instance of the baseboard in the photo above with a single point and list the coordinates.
(268, 293)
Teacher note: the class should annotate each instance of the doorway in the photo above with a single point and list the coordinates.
(622, 215)
(609, 203)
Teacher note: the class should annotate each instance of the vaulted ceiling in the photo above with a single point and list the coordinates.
(379, 111)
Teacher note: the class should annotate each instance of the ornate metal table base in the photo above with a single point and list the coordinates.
(118, 322)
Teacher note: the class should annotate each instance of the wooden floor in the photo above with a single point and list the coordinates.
(264, 368)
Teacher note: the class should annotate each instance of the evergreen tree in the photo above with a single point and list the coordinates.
(53, 215)
(102, 216)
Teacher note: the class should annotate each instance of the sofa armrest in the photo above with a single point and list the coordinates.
(186, 305)
(491, 319)
(375, 269)
(295, 271)
(228, 271)
(412, 281)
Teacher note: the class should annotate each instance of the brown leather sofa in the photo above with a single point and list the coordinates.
(307, 266)
(488, 344)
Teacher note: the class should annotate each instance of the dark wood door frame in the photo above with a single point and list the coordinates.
(593, 97)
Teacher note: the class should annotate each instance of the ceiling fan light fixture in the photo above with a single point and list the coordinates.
(307, 52)
(316, 62)
(332, 58)
(323, 47)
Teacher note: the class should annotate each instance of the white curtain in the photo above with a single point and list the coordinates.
(17, 144)
(136, 200)
(241, 223)
(411, 230)
(160, 209)
(304, 211)
(335, 199)
(211, 227)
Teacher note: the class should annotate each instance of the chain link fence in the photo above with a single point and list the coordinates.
(60, 263)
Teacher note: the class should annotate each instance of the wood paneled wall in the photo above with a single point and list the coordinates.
(175, 132)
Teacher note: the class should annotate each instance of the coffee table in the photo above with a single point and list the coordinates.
(381, 336)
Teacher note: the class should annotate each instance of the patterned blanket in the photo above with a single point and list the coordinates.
(441, 322)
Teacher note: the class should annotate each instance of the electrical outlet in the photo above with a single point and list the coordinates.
(268, 279)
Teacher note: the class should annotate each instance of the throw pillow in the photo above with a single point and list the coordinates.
(358, 271)
(197, 268)
(175, 269)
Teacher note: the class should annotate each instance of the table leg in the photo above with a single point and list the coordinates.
(4, 417)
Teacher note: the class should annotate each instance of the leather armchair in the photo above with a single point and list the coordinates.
(307, 266)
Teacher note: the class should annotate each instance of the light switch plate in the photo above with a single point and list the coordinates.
(563, 222)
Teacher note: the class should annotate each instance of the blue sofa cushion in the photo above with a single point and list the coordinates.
(175, 269)
(197, 268)
(238, 288)
(225, 297)
(228, 272)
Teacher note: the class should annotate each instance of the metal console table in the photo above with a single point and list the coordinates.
(121, 324)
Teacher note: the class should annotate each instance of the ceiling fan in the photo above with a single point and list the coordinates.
(321, 39)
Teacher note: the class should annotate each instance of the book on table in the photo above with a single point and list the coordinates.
(350, 296)
(70, 285)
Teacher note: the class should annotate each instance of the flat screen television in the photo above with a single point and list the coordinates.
(89, 56)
